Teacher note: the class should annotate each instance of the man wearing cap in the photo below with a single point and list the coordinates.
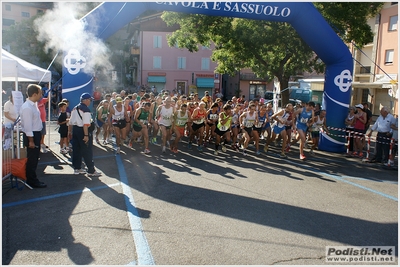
(207, 99)
(82, 139)
(31, 126)
(383, 126)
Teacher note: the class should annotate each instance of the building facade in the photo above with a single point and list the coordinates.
(375, 73)
(15, 12)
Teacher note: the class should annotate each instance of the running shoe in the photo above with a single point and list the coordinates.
(175, 150)
(216, 152)
(105, 142)
(168, 145)
(189, 145)
(163, 149)
(223, 148)
(95, 174)
(287, 149)
(154, 141)
(361, 155)
(97, 141)
(244, 152)
(282, 155)
(302, 156)
(200, 148)
(63, 151)
(312, 152)
(118, 150)
(146, 151)
(258, 152)
(79, 171)
(265, 148)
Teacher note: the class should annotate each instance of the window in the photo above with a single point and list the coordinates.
(389, 56)
(8, 22)
(157, 41)
(364, 96)
(205, 63)
(157, 62)
(393, 23)
(25, 14)
(8, 7)
(39, 11)
(181, 63)
(365, 70)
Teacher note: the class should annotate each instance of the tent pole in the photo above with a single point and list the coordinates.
(48, 124)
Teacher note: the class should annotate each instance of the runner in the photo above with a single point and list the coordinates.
(247, 121)
(212, 119)
(101, 121)
(140, 125)
(153, 120)
(165, 114)
(119, 118)
(198, 117)
(279, 128)
(222, 128)
(181, 118)
(319, 122)
(235, 127)
(262, 121)
(304, 118)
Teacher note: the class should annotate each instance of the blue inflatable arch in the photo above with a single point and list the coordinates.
(304, 18)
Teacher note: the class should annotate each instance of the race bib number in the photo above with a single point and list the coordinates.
(260, 124)
(248, 124)
(303, 120)
(144, 121)
(166, 118)
(213, 117)
(223, 128)
(181, 123)
(199, 121)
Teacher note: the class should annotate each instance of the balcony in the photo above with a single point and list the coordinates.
(135, 50)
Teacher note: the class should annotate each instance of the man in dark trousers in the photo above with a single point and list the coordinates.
(32, 126)
(82, 138)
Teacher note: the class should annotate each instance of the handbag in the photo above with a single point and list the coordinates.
(92, 125)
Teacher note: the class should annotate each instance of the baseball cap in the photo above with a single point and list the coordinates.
(118, 99)
(359, 106)
(85, 96)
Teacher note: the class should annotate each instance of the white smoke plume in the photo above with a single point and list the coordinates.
(61, 30)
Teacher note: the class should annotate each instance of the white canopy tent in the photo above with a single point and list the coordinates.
(19, 70)
(15, 69)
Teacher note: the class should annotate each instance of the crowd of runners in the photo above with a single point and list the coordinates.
(163, 119)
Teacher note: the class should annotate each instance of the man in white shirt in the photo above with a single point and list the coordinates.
(10, 114)
(31, 126)
(383, 126)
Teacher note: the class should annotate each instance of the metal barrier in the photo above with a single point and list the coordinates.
(11, 150)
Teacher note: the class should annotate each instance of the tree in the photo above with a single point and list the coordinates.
(269, 49)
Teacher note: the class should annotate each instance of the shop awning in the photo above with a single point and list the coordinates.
(156, 79)
(205, 82)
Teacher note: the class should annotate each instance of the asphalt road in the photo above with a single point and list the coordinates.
(194, 208)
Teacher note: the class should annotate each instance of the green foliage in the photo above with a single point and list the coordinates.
(269, 49)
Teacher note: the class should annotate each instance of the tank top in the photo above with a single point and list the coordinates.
(235, 118)
(261, 120)
(118, 115)
(317, 125)
(349, 119)
(224, 127)
(104, 113)
(181, 120)
(200, 117)
(143, 117)
(249, 120)
(213, 116)
(165, 116)
(304, 116)
(359, 125)
(283, 118)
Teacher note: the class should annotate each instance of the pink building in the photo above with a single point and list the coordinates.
(172, 68)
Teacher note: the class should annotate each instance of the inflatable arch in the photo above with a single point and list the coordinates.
(303, 17)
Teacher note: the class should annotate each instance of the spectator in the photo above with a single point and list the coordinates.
(42, 108)
(82, 143)
(63, 129)
(384, 127)
(31, 126)
(395, 139)
(10, 114)
(359, 127)
(349, 122)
